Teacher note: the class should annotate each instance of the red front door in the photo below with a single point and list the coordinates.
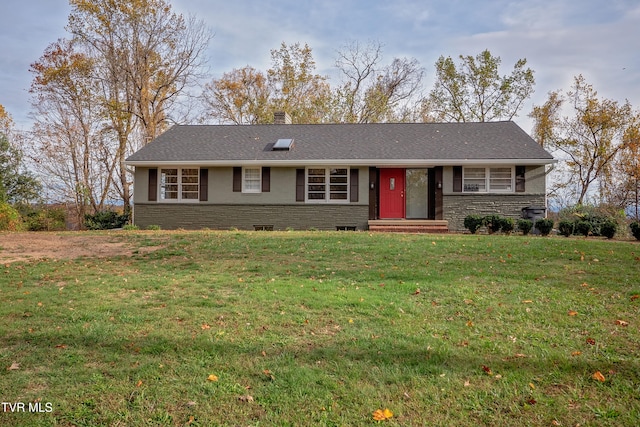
(392, 193)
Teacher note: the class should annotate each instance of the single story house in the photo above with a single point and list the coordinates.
(378, 176)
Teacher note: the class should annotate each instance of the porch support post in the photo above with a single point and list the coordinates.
(373, 192)
(439, 214)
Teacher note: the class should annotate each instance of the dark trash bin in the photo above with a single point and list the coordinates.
(534, 213)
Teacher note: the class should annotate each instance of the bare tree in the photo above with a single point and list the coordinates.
(371, 92)
(146, 56)
(66, 148)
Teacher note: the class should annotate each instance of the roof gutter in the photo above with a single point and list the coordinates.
(344, 162)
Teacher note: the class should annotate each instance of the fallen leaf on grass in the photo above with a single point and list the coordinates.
(212, 377)
(469, 323)
(417, 292)
(14, 366)
(467, 383)
(139, 383)
(591, 341)
(598, 376)
(634, 297)
(246, 398)
(576, 353)
(205, 327)
(622, 323)
(572, 313)
(269, 374)
(381, 415)
(527, 301)
(61, 346)
(487, 370)
(532, 386)
(191, 419)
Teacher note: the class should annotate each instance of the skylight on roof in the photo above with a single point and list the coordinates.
(283, 145)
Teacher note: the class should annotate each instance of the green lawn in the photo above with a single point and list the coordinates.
(318, 328)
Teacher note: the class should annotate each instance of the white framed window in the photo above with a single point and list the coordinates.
(251, 180)
(327, 185)
(488, 179)
(179, 185)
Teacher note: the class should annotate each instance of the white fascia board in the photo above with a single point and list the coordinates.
(345, 162)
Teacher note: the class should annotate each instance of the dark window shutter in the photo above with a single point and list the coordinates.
(520, 179)
(266, 179)
(237, 179)
(299, 185)
(457, 179)
(153, 185)
(353, 183)
(204, 184)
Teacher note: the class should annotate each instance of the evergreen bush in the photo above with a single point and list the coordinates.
(525, 226)
(493, 223)
(473, 223)
(609, 229)
(545, 226)
(566, 227)
(105, 220)
(507, 225)
(583, 228)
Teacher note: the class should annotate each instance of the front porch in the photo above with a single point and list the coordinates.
(409, 225)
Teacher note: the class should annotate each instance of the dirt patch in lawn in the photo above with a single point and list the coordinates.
(33, 246)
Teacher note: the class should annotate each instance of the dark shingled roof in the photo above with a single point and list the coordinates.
(433, 143)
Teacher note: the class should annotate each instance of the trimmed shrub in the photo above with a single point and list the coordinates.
(507, 225)
(566, 228)
(597, 216)
(9, 218)
(493, 223)
(544, 226)
(609, 229)
(154, 227)
(635, 229)
(473, 223)
(583, 228)
(105, 220)
(525, 226)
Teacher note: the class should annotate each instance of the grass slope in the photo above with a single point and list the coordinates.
(317, 328)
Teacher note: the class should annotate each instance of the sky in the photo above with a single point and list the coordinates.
(560, 39)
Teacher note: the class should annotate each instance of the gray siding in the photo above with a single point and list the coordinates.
(535, 180)
(220, 189)
(246, 217)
